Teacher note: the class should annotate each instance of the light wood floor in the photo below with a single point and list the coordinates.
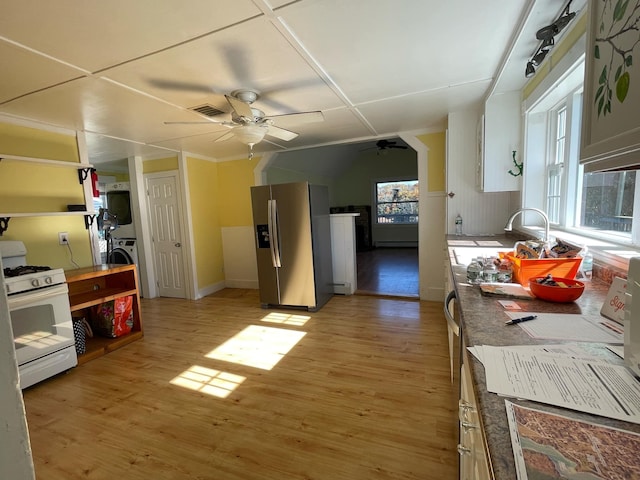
(364, 394)
(388, 271)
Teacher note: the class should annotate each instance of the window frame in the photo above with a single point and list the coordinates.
(548, 99)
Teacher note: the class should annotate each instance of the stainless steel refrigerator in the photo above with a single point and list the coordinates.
(293, 244)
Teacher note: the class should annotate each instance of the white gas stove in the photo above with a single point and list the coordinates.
(40, 316)
(25, 278)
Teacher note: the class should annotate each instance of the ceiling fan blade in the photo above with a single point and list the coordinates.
(224, 137)
(203, 122)
(281, 133)
(237, 59)
(298, 117)
(179, 85)
(242, 109)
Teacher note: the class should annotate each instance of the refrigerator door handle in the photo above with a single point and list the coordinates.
(274, 243)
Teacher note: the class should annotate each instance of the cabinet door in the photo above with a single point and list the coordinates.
(473, 454)
(502, 133)
(610, 136)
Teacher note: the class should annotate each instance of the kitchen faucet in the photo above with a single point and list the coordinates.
(508, 226)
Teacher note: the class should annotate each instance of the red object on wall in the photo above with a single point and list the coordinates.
(94, 183)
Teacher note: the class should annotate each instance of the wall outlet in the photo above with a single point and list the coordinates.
(63, 238)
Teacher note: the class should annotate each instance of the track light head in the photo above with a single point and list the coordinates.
(547, 44)
(539, 57)
(530, 70)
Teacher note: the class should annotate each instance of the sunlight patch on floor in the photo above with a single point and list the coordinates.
(257, 346)
(207, 380)
(286, 319)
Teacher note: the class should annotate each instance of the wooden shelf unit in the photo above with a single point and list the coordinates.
(98, 284)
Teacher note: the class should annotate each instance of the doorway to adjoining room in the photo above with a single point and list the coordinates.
(388, 271)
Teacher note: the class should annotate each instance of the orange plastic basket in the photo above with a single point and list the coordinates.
(524, 269)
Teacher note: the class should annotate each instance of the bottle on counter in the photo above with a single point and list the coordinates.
(474, 272)
(458, 225)
(490, 270)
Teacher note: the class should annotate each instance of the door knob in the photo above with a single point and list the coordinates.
(177, 244)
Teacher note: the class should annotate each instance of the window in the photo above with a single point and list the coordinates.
(597, 204)
(555, 165)
(397, 202)
(607, 202)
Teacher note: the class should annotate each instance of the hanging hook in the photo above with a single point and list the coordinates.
(518, 166)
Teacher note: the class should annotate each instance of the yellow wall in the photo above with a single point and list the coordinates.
(28, 187)
(436, 143)
(235, 179)
(160, 165)
(205, 207)
(30, 142)
(120, 176)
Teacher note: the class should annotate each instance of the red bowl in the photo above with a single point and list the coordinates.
(566, 289)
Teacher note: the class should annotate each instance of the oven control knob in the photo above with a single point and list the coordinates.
(48, 280)
(35, 282)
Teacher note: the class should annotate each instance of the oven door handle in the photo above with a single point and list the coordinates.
(26, 299)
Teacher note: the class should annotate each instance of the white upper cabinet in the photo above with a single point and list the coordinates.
(499, 135)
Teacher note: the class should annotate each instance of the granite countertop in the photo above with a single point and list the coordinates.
(482, 322)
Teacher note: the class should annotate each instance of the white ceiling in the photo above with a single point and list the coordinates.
(119, 69)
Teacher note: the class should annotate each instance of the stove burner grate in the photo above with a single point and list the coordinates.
(23, 270)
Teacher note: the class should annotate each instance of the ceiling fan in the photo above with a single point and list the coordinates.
(382, 145)
(250, 125)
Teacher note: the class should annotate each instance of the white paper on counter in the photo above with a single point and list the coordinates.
(571, 350)
(594, 387)
(570, 327)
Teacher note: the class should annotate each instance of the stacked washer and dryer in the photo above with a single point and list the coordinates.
(125, 249)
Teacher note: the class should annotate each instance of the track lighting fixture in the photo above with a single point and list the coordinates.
(537, 59)
(530, 70)
(547, 44)
(546, 36)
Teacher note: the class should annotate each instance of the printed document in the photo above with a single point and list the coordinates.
(570, 327)
(588, 386)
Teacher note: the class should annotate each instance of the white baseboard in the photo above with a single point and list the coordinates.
(208, 290)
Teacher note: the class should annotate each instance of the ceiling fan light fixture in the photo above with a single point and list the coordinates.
(249, 134)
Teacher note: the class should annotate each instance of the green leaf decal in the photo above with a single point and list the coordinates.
(619, 10)
(599, 92)
(628, 61)
(596, 52)
(622, 86)
(603, 76)
(618, 72)
(600, 105)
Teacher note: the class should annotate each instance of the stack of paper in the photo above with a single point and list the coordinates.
(564, 377)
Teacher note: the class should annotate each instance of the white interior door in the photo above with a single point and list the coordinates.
(164, 210)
